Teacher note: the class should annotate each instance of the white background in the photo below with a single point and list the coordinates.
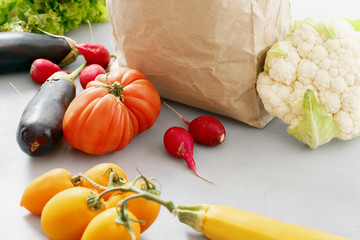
(266, 171)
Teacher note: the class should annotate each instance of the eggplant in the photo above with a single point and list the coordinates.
(40, 128)
(19, 49)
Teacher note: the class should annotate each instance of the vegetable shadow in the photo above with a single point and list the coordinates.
(34, 222)
(196, 236)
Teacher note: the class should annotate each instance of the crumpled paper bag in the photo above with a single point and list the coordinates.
(203, 53)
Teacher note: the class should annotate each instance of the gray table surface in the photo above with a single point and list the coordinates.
(264, 171)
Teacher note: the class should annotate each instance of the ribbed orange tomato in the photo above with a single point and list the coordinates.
(111, 111)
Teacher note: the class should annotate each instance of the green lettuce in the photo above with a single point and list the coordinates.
(317, 128)
(56, 17)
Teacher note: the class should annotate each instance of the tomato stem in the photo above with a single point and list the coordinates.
(76, 181)
(114, 179)
(149, 192)
(124, 219)
(149, 187)
(115, 89)
(150, 196)
(122, 207)
(93, 202)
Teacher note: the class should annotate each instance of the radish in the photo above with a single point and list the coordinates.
(94, 53)
(179, 143)
(206, 130)
(41, 69)
(89, 73)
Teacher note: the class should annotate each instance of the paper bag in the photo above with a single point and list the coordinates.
(203, 53)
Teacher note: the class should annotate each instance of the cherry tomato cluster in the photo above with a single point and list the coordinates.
(99, 204)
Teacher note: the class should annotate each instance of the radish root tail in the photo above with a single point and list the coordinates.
(18, 92)
(182, 118)
(203, 178)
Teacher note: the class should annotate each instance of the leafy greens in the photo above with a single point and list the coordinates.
(56, 17)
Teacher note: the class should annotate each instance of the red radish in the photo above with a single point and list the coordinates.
(206, 130)
(94, 53)
(89, 73)
(41, 69)
(179, 143)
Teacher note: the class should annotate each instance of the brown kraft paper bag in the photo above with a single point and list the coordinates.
(203, 53)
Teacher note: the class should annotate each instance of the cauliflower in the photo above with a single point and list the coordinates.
(311, 81)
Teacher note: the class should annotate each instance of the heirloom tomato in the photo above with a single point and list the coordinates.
(111, 110)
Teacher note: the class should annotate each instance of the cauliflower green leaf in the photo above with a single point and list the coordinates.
(324, 27)
(354, 23)
(317, 127)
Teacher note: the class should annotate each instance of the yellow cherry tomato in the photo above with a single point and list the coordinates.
(67, 214)
(44, 187)
(100, 174)
(103, 226)
(144, 209)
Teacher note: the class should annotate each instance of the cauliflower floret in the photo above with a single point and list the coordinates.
(332, 45)
(333, 72)
(326, 59)
(343, 29)
(325, 64)
(345, 123)
(322, 80)
(295, 121)
(318, 54)
(338, 85)
(344, 64)
(277, 93)
(355, 117)
(330, 101)
(304, 38)
(282, 71)
(278, 64)
(296, 101)
(306, 71)
(292, 54)
(351, 98)
(289, 118)
(349, 79)
(357, 79)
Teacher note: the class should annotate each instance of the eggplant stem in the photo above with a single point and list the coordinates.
(73, 75)
(73, 53)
